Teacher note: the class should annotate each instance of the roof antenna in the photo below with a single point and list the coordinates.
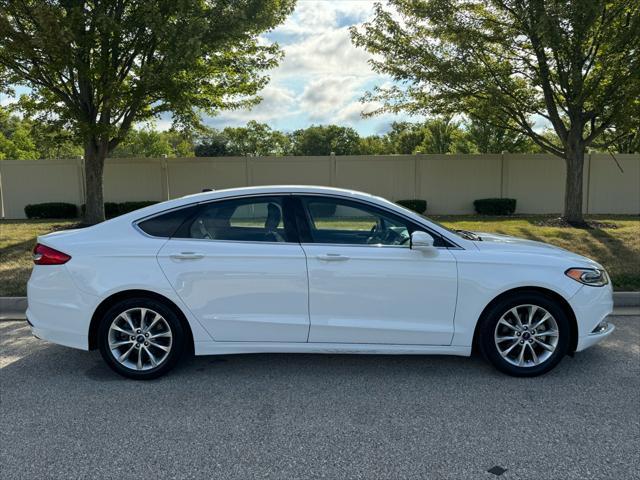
(207, 190)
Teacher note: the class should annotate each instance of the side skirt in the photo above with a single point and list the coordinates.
(227, 348)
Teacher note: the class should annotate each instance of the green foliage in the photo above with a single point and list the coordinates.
(256, 139)
(15, 139)
(101, 66)
(148, 142)
(574, 63)
(375, 145)
(418, 206)
(495, 206)
(484, 137)
(51, 210)
(507, 62)
(324, 140)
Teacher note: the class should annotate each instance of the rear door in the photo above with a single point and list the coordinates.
(238, 266)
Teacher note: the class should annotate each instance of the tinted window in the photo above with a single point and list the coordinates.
(345, 222)
(258, 219)
(165, 225)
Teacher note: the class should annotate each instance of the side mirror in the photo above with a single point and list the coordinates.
(421, 240)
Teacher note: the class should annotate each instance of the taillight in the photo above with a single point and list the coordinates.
(43, 255)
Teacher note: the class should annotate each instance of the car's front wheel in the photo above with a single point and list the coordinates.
(140, 338)
(525, 335)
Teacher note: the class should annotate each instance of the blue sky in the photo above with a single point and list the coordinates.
(322, 76)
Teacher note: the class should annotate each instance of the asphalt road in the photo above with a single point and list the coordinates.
(65, 415)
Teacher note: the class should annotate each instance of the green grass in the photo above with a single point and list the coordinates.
(618, 249)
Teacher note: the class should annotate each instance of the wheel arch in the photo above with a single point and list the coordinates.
(111, 300)
(564, 304)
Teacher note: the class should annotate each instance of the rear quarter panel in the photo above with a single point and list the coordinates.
(114, 257)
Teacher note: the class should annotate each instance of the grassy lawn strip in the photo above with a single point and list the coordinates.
(618, 249)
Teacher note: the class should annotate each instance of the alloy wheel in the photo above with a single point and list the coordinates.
(140, 339)
(526, 335)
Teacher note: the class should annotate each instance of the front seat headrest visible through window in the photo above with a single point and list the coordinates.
(274, 215)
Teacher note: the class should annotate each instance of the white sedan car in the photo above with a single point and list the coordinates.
(309, 269)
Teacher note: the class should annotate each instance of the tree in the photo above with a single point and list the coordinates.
(488, 138)
(256, 139)
(15, 138)
(105, 65)
(443, 135)
(374, 145)
(212, 144)
(324, 140)
(148, 142)
(575, 64)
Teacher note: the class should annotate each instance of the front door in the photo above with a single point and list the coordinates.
(366, 285)
(239, 268)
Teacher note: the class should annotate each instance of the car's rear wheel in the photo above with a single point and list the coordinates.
(525, 335)
(140, 338)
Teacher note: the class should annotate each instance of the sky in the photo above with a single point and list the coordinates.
(323, 75)
(321, 78)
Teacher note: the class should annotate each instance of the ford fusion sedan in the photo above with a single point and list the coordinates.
(309, 269)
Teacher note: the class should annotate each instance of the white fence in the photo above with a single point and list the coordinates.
(449, 183)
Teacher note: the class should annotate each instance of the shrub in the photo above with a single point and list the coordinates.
(115, 209)
(51, 210)
(322, 210)
(495, 206)
(418, 206)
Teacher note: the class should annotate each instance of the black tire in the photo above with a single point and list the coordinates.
(487, 330)
(176, 343)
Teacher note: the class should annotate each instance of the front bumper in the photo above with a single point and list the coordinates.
(587, 341)
(591, 306)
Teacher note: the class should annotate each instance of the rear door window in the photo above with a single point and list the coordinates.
(253, 219)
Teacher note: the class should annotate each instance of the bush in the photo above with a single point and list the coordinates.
(418, 206)
(51, 210)
(495, 206)
(115, 209)
(323, 210)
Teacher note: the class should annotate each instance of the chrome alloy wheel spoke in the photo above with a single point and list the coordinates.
(526, 335)
(143, 331)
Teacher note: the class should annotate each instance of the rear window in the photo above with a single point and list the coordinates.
(166, 224)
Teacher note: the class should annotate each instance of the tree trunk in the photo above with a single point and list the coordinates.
(94, 157)
(573, 188)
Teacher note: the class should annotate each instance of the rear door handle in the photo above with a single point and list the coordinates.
(333, 257)
(187, 256)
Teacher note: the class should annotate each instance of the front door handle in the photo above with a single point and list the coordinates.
(187, 256)
(333, 257)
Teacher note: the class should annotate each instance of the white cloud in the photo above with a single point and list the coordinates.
(326, 96)
(277, 102)
(311, 17)
(328, 53)
(322, 76)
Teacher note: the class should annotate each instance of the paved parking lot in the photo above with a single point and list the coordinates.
(65, 415)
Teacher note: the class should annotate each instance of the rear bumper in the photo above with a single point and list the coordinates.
(57, 311)
(591, 306)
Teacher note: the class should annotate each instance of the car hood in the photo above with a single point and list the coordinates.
(495, 241)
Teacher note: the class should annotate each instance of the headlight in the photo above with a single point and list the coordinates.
(588, 276)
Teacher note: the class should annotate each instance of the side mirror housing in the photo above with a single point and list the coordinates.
(421, 241)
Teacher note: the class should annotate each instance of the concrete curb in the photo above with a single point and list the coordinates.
(14, 308)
